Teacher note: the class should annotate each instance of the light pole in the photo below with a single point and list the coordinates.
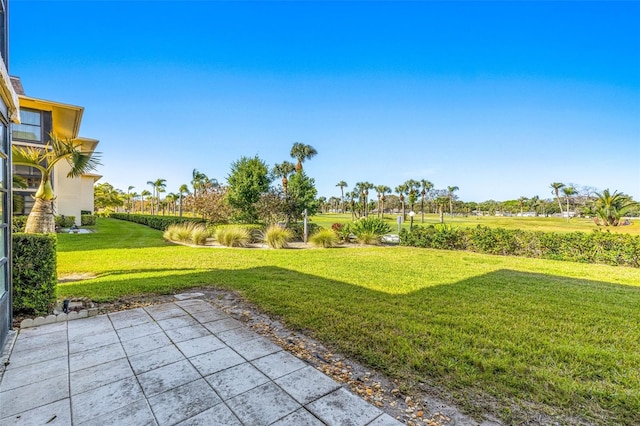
(411, 215)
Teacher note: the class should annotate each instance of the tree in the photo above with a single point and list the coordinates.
(283, 170)
(611, 207)
(41, 218)
(402, 190)
(302, 152)
(556, 186)
(211, 204)
(248, 179)
(184, 189)
(129, 195)
(568, 192)
(413, 186)
(521, 201)
(426, 188)
(106, 196)
(158, 186)
(382, 190)
(342, 184)
(303, 193)
(450, 191)
(145, 193)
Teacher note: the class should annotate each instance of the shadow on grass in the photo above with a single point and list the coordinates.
(552, 343)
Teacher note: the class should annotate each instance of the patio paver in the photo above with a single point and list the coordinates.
(182, 363)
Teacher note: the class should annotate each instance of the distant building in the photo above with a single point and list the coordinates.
(40, 118)
(9, 113)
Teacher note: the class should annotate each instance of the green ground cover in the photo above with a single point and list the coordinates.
(506, 335)
(547, 224)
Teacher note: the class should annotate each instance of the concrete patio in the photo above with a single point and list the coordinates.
(185, 363)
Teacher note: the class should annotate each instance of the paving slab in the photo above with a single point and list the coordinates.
(184, 363)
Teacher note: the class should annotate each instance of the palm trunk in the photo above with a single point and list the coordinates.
(41, 219)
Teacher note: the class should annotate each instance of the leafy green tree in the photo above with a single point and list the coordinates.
(303, 193)
(302, 152)
(106, 196)
(248, 180)
(610, 207)
(41, 218)
(342, 184)
(557, 186)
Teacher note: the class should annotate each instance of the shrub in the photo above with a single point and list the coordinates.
(156, 222)
(233, 236)
(188, 232)
(343, 231)
(34, 273)
(298, 229)
(85, 212)
(595, 247)
(277, 237)
(65, 221)
(325, 238)
(255, 230)
(87, 220)
(19, 223)
(368, 237)
(369, 230)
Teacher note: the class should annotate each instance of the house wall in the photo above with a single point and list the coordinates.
(68, 192)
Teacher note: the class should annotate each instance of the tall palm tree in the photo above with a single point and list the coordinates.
(342, 184)
(521, 201)
(450, 191)
(366, 187)
(302, 152)
(184, 189)
(283, 170)
(427, 186)
(557, 186)
(402, 190)
(611, 207)
(568, 192)
(198, 180)
(153, 193)
(145, 193)
(160, 189)
(382, 190)
(158, 186)
(41, 218)
(171, 198)
(129, 195)
(413, 186)
(134, 195)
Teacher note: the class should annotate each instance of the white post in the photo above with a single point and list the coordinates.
(304, 235)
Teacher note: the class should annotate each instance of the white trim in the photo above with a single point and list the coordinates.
(8, 94)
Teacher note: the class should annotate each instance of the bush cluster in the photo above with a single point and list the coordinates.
(325, 238)
(189, 232)
(65, 221)
(255, 231)
(34, 273)
(298, 229)
(156, 222)
(233, 236)
(18, 223)
(595, 247)
(277, 237)
(87, 220)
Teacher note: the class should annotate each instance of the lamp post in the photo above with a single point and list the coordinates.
(411, 215)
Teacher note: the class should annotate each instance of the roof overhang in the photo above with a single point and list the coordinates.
(66, 118)
(87, 144)
(93, 176)
(8, 94)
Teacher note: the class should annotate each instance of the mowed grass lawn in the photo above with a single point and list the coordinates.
(505, 335)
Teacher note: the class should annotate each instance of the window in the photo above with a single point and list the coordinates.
(31, 127)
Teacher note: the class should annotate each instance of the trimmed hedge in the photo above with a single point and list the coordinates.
(595, 247)
(65, 221)
(156, 222)
(87, 220)
(34, 273)
(18, 223)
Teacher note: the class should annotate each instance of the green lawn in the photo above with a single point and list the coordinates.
(499, 334)
(548, 224)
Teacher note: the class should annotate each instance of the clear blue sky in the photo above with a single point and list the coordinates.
(497, 98)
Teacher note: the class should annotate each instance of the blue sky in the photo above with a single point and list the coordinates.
(497, 98)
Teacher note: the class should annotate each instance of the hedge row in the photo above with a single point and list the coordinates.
(34, 273)
(87, 220)
(156, 222)
(595, 247)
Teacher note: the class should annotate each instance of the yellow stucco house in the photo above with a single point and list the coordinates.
(39, 118)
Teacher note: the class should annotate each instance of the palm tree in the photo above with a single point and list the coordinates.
(556, 190)
(521, 201)
(158, 186)
(302, 152)
(414, 186)
(611, 207)
(171, 198)
(450, 191)
(283, 170)
(129, 195)
(568, 191)
(401, 190)
(143, 194)
(133, 196)
(342, 184)
(41, 218)
(184, 189)
(426, 188)
(153, 192)
(198, 180)
(382, 190)
(366, 187)
(160, 189)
